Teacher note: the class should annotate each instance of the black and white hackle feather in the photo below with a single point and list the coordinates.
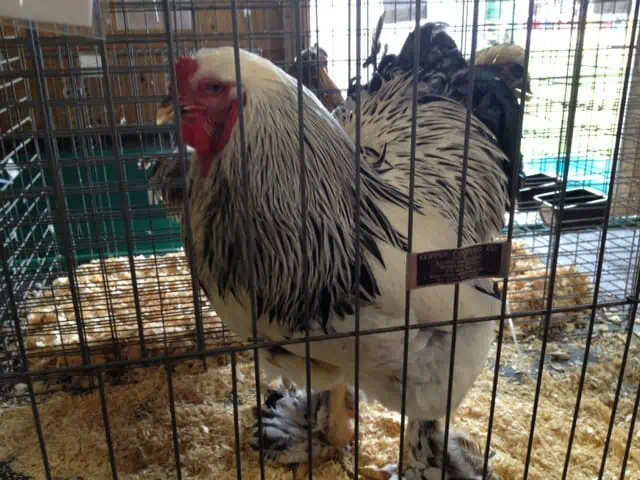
(447, 73)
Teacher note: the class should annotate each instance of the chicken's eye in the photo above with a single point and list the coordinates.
(214, 88)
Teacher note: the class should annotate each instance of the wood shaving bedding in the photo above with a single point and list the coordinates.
(110, 324)
(528, 291)
(106, 299)
(141, 424)
(139, 411)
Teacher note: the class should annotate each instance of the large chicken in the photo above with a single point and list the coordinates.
(324, 301)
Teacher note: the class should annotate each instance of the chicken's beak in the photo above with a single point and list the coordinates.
(528, 88)
(165, 113)
(332, 97)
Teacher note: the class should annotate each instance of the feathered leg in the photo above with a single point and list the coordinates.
(285, 425)
(425, 446)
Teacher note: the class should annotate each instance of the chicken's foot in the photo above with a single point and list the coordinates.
(285, 427)
(425, 446)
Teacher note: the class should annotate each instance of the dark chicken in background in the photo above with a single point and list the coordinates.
(315, 76)
(165, 173)
(508, 61)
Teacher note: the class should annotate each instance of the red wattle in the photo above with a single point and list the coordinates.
(204, 140)
(230, 122)
(195, 135)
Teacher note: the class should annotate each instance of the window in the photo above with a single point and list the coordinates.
(609, 7)
(149, 17)
(402, 10)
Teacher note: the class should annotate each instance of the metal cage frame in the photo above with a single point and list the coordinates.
(59, 252)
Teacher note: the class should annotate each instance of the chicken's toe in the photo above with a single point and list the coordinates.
(285, 427)
(425, 443)
(464, 459)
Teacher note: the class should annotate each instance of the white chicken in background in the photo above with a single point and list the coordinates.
(324, 301)
(165, 173)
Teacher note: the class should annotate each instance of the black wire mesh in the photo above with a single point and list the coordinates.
(95, 281)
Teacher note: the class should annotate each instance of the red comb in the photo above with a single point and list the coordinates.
(185, 68)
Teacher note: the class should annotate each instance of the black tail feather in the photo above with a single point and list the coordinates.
(495, 105)
(375, 45)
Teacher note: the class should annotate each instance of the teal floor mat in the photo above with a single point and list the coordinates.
(97, 218)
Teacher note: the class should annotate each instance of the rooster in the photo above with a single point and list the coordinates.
(324, 301)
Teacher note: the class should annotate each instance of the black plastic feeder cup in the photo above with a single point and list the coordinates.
(583, 208)
(533, 185)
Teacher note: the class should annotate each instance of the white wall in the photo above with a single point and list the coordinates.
(331, 30)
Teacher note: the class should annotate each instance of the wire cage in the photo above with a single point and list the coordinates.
(114, 363)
